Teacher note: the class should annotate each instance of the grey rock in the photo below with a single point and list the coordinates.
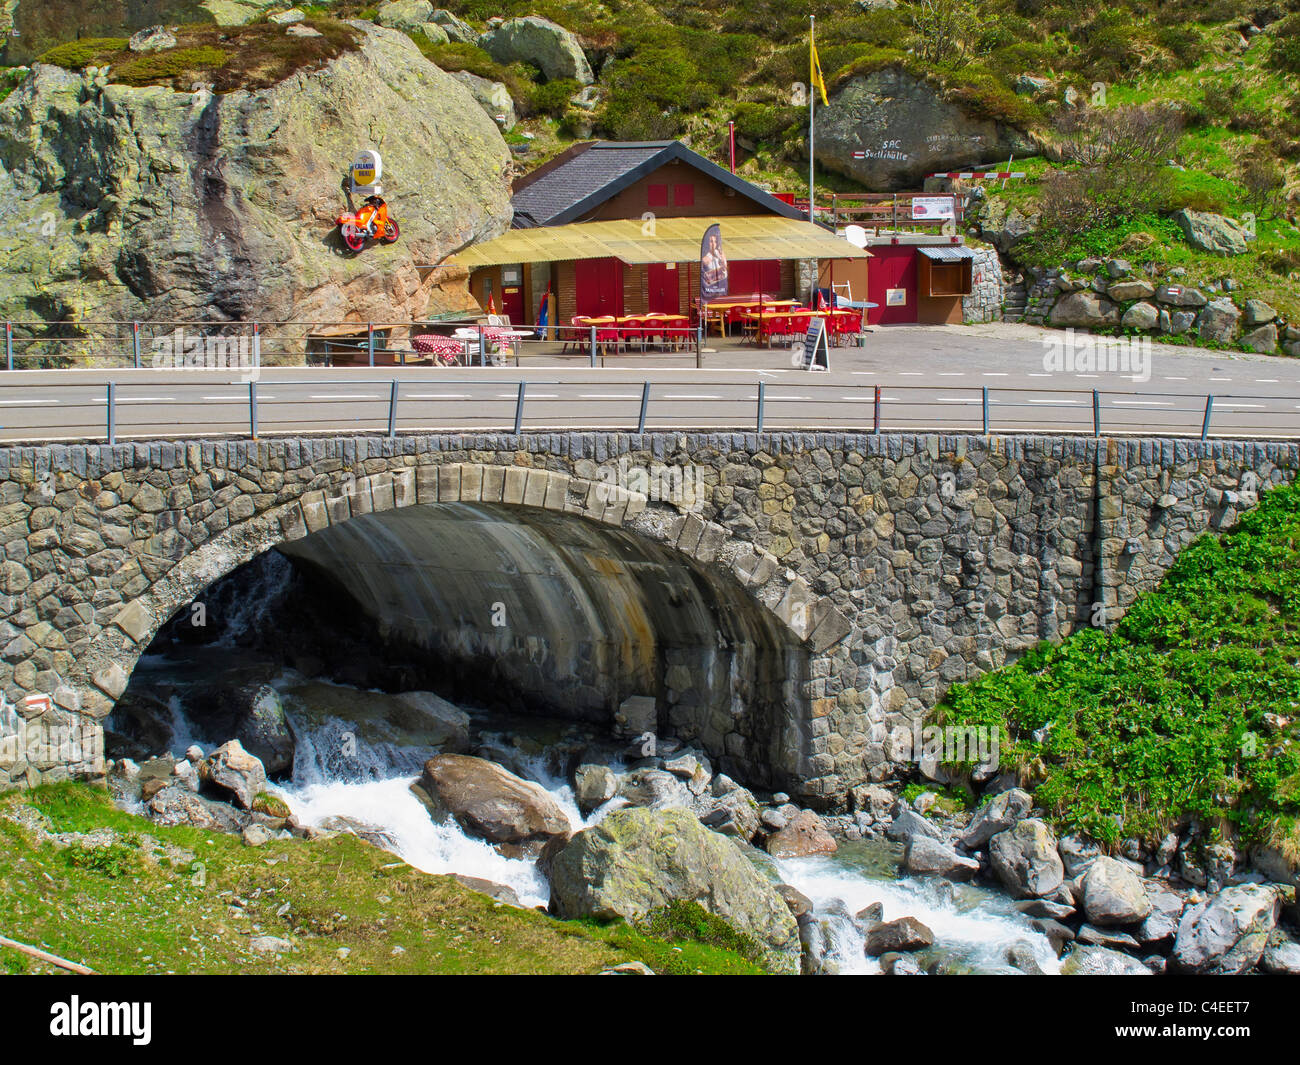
(1101, 961)
(997, 815)
(1083, 310)
(551, 48)
(1227, 933)
(153, 39)
(637, 860)
(1144, 316)
(1025, 860)
(925, 856)
(1211, 232)
(1162, 922)
(906, 933)
(1262, 339)
(1218, 320)
(909, 823)
(593, 786)
(1113, 894)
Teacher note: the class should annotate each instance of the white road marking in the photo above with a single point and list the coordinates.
(955, 399)
(610, 395)
(437, 395)
(1142, 403)
(27, 402)
(996, 375)
(1173, 378)
(689, 396)
(345, 395)
(1267, 381)
(952, 374)
(1242, 406)
(1065, 402)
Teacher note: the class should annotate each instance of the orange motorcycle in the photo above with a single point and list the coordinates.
(371, 222)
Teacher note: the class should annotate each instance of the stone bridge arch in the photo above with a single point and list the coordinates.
(808, 621)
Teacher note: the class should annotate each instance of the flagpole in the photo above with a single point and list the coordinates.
(812, 105)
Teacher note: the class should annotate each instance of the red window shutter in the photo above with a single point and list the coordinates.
(657, 196)
(683, 195)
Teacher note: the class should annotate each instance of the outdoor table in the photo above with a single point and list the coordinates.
(447, 350)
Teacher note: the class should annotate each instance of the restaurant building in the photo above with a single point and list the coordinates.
(614, 228)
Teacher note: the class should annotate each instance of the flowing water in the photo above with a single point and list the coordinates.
(357, 753)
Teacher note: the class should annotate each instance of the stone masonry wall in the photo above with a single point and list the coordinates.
(902, 563)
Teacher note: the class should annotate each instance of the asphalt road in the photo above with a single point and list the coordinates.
(930, 378)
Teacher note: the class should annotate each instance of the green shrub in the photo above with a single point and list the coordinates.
(691, 923)
(1171, 713)
(553, 97)
(765, 122)
(88, 52)
(154, 67)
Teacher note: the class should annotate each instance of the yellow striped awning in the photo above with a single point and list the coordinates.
(663, 240)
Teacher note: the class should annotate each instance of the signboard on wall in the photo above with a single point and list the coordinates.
(816, 352)
(932, 207)
(367, 170)
(896, 297)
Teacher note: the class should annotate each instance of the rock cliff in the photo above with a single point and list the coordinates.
(118, 203)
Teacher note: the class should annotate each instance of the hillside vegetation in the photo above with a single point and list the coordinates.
(1187, 708)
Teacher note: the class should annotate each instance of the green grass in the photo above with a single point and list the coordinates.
(1170, 714)
(179, 900)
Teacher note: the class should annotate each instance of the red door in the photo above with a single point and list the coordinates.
(512, 293)
(600, 287)
(892, 285)
(661, 297)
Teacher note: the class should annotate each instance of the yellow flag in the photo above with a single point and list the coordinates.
(815, 71)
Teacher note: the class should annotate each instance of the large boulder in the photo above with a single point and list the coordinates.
(264, 731)
(638, 860)
(803, 834)
(1162, 922)
(175, 805)
(593, 786)
(1227, 933)
(1025, 860)
(904, 129)
(924, 856)
(907, 933)
(552, 49)
(1212, 232)
(232, 769)
(1218, 320)
(191, 206)
(490, 801)
(997, 815)
(1113, 894)
(655, 789)
(492, 96)
(409, 16)
(735, 813)
(1085, 310)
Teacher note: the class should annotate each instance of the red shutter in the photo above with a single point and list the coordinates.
(683, 195)
(657, 196)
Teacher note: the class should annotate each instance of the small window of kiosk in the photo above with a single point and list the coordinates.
(944, 277)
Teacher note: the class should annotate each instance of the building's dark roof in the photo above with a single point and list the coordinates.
(572, 185)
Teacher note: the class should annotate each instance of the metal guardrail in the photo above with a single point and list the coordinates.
(391, 406)
(253, 345)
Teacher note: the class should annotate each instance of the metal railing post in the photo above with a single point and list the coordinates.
(482, 346)
(1096, 413)
(370, 341)
(1209, 411)
(875, 423)
(135, 343)
(252, 409)
(700, 326)
(591, 345)
(392, 410)
(9, 345)
(645, 403)
(111, 428)
(985, 402)
(257, 346)
(519, 408)
(762, 397)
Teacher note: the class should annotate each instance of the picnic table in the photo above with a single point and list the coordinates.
(447, 350)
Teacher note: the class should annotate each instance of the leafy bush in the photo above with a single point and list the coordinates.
(553, 97)
(1173, 712)
(765, 122)
(690, 922)
(151, 68)
(89, 52)
(1285, 52)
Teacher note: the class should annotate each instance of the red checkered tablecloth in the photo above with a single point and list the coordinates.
(445, 349)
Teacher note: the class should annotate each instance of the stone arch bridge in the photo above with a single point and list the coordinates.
(786, 600)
